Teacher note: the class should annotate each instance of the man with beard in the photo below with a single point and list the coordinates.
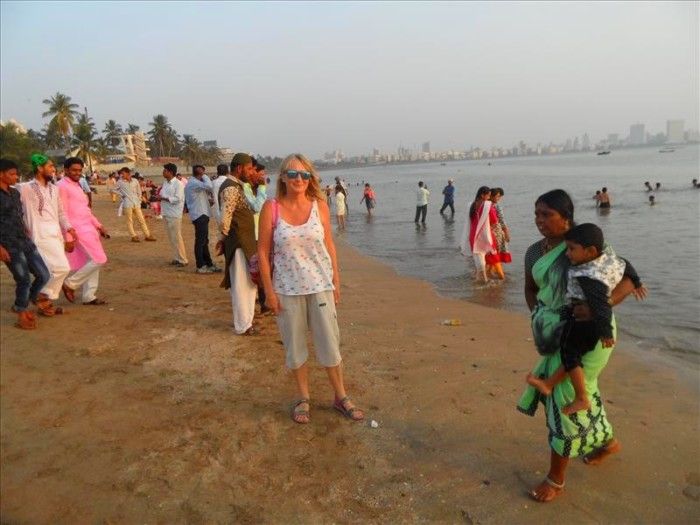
(88, 256)
(46, 223)
(237, 242)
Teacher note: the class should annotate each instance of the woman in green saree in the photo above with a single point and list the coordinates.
(586, 433)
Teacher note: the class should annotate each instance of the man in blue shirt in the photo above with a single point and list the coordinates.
(449, 193)
(198, 193)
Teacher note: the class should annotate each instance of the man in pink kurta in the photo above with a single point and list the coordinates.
(88, 256)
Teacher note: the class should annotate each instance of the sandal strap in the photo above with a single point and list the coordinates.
(300, 402)
(554, 484)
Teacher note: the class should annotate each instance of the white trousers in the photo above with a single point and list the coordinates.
(173, 227)
(54, 255)
(88, 277)
(243, 292)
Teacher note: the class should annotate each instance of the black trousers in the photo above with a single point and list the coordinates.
(201, 241)
(578, 338)
(421, 211)
(446, 204)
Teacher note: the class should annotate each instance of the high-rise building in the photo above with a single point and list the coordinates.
(637, 135)
(675, 131)
(613, 139)
(586, 142)
(425, 147)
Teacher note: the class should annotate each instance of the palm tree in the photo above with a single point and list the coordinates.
(52, 137)
(132, 128)
(160, 134)
(111, 133)
(62, 112)
(101, 149)
(84, 135)
(212, 156)
(192, 151)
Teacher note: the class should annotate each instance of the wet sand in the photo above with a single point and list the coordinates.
(151, 410)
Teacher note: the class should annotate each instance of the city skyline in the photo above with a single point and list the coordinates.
(451, 73)
(638, 136)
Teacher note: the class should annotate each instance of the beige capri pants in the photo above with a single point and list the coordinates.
(301, 313)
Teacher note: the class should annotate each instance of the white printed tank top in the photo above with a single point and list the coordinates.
(302, 265)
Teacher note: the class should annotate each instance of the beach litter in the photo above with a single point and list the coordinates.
(451, 322)
(373, 424)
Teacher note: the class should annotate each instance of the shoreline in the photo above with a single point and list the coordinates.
(158, 412)
(642, 348)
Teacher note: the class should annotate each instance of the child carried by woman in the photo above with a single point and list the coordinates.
(593, 274)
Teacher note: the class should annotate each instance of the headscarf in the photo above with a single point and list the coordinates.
(38, 159)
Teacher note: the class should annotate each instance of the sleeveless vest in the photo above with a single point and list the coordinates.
(608, 269)
(241, 232)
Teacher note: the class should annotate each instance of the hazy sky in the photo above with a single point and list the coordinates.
(273, 78)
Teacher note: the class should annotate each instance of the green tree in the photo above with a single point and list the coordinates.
(164, 139)
(101, 149)
(211, 156)
(84, 137)
(52, 136)
(132, 128)
(62, 112)
(18, 146)
(111, 133)
(191, 150)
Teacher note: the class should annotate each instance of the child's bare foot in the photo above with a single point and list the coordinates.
(547, 491)
(540, 384)
(611, 447)
(577, 406)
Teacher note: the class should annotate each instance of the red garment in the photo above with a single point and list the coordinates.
(491, 258)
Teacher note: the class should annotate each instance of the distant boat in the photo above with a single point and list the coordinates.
(443, 164)
(667, 149)
(606, 152)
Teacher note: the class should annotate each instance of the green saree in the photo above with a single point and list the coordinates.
(583, 432)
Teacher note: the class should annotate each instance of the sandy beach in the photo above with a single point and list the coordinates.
(151, 410)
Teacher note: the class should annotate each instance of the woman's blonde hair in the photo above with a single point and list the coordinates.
(313, 191)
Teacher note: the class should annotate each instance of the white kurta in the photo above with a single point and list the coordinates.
(46, 222)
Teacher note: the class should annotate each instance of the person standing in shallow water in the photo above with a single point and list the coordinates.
(605, 202)
(303, 285)
(340, 207)
(501, 234)
(369, 198)
(421, 203)
(587, 434)
(449, 197)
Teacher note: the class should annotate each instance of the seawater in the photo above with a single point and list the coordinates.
(662, 241)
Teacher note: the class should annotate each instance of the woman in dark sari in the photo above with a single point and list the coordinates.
(586, 433)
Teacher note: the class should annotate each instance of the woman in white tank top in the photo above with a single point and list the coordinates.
(302, 286)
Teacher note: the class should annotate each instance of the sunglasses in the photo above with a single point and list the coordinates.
(294, 174)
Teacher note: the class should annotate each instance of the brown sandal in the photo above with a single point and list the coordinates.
(353, 413)
(26, 320)
(45, 306)
(298, 413)
(69, 293)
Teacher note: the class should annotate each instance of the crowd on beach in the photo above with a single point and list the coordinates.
(279, 252)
